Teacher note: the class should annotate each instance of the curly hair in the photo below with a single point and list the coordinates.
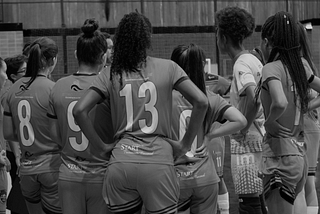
(236, 23)
(131, 41)
(282, 31)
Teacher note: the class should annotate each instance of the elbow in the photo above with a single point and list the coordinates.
(281, 105)
(76, 112)
(203, 103)
(243, 122)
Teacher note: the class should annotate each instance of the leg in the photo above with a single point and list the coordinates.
(49, 192)
(300, 205)
(72, 197)
(277, 205)
(95, 202)
(30, 189)
(223, 198)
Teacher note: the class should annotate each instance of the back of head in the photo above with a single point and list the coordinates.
(42, 52)
(91, 44)
(14, 64)
(131, 41)
(282, 33)
(236, 23)
(191, 59)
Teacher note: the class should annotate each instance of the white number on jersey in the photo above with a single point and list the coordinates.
(182, 130)
(26, 140)
(83, 145)
(149, 107)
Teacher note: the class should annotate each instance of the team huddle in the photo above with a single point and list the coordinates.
(129, 133)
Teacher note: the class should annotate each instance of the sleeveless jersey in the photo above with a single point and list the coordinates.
(202, 172)
(28, 108)
(80, 160)
(141, 110)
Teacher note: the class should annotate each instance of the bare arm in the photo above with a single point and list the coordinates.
(200, 104)
(236, 121)
(315, 85)
(55, 131)
(252, 108)
(9, 132)
(279, 101)
(81, 115)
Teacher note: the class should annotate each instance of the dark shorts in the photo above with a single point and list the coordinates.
(128, 185)
(42, 188)
(81, 198)
(284, 167)
(200, 200)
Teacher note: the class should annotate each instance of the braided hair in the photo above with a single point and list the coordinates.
(281, 31)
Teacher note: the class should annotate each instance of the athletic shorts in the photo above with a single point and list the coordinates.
(217, 149)
(312, 139)
(81, 198)
(200, 200)
(42, 188)
(3, 190)
(246, 154)
(128, 185)
(284, 167)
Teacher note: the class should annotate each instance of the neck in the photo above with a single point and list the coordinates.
(234, 52)
(87, 69)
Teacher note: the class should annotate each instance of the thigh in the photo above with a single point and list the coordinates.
(120, 188)
(49, 192)
(158, 187)
(205, 200)
(184, 199)
(72, 196)
(30, 188)
(94, 199)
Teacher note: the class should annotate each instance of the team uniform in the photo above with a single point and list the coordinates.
(141, 165)
(82, 170)
(216, 147)
(284, 165)
(40, 159)
(199, 180)
(311, 132)
(246, 150)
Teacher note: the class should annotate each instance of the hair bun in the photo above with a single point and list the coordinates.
(89, 27)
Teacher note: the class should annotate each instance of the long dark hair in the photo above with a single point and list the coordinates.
(131, 41)
(191, 59)
(305, 48)
(41, 54)
(91, 44)
(282, 32)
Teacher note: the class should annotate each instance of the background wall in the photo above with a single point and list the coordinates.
(174, 22)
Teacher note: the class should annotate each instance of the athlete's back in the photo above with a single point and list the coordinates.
(28, 107)
(81, 160)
